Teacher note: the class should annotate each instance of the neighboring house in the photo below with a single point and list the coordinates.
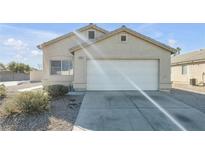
(92, 58)
(189, 66)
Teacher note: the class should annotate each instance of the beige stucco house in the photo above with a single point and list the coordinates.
(188, 66)
(92, 58)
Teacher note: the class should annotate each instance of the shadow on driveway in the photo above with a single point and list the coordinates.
(131, 111)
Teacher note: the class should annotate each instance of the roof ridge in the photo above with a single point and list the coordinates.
(190, 52)
(91, 25)
(189, 57)
(149, 38)
(146, 38)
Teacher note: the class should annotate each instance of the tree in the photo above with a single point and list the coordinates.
(2, 67)
(27, 68)
(12, 66)
(178, 51)
(19, 67)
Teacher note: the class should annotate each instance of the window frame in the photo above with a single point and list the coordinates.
(51, 67)
(89, 35)
(125, 37)
(70, 71)
(184, 69)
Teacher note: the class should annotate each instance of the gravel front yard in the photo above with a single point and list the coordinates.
(61, 116)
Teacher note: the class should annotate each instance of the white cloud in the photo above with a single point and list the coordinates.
(172, 42)
(32, 35)
(16, 44)
(19, 43)
(20, 58)
(36, 52)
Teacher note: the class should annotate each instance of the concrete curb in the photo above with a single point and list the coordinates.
(189, 90)
(78, 128)
(30, 89)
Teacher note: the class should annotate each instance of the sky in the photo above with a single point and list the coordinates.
(18, 41)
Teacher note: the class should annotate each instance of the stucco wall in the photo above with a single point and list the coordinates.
(112, 48)
(60, 51)
(193, 71)
(177, 76)
(36, 75)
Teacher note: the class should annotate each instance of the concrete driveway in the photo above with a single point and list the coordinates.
(130, 110)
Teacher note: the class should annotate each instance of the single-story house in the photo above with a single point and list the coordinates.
(188, 66)
(92, 58)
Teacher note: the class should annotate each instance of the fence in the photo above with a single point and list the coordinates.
(36, 75)
(11, 76)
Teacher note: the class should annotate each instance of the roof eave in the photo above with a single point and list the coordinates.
(188, 62)
(170, 49)
(153, 41)
(173, 50)
(71, 33)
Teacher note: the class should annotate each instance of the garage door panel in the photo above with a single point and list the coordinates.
(107, 74)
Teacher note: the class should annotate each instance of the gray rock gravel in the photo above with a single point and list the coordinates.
(61, 116)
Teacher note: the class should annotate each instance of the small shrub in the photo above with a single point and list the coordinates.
(28, 102)
(2, 91)
(10, 107)
(56, 90)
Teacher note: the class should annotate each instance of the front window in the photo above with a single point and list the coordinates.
(91, 34)
(61, 67)
(55, 67)
(184, 69)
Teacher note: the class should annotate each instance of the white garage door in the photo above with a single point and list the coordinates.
(121, 74)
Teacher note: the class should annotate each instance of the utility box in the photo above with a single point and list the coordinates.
(193, 82)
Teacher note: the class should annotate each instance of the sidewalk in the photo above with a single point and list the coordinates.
(190, 88)
(31, 88)
(13, 83)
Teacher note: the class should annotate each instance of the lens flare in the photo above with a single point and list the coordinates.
(90, 56)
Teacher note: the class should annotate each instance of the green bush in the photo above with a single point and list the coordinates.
(19, 67)
(28, 102)
(2, 91)
(56, 90)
